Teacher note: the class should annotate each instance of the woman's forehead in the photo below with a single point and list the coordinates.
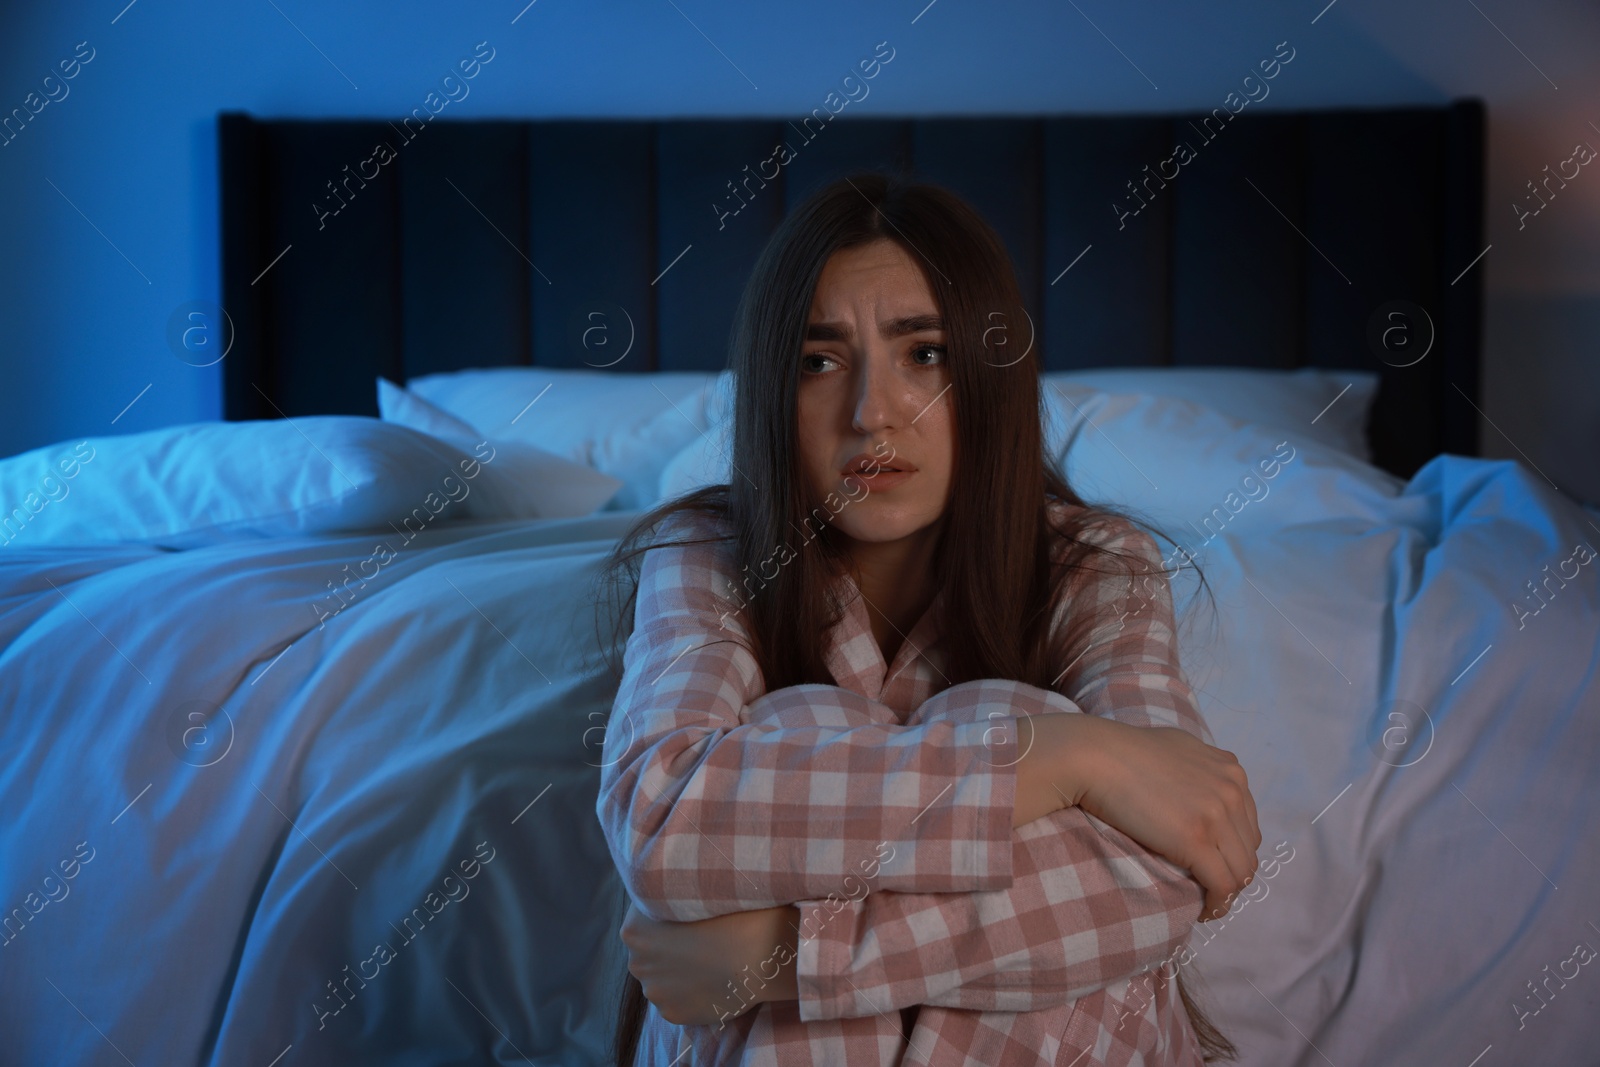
(886, 289)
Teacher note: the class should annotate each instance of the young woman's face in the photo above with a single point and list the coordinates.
(873, 382)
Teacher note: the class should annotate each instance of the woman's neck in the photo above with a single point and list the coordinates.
(896, 579)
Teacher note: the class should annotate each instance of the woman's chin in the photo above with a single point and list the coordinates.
(881, 521)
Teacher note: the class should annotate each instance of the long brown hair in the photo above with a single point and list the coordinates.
(995, 554)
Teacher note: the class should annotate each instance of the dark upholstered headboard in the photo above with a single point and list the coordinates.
(358, 248)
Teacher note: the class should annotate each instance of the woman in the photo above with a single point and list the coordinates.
(902, 766)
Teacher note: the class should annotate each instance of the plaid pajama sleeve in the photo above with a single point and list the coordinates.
(1129, 670)
(706, 813)
(1088, 906)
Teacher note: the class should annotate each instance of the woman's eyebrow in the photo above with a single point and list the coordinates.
(891, 328)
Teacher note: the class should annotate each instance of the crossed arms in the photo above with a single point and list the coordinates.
(717, 797)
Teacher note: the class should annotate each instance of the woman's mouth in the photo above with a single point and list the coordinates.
(877, 474)
(871, 466)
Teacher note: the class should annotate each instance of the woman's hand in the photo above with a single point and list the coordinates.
(1174, 794)
(714, 969)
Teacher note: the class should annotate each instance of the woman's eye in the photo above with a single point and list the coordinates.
(805, 364)
(937, 350)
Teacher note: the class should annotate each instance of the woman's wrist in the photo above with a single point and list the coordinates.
(783, 937)
(1057, 762)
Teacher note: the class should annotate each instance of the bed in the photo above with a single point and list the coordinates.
(305, 709)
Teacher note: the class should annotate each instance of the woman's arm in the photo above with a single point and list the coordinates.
(1104, 913)
(1079, 884)
(707, 814)
(1088, 905)
(690, 968)
(1203, 818)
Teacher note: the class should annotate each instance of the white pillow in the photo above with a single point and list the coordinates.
(626, 425)
(398, 404)
(704, 462)
(209, 482)
(1296, 401)
(561, 488)
(1195, 473)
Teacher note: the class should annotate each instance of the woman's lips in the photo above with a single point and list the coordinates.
(868, 465)
(884, 478)
(878, 472)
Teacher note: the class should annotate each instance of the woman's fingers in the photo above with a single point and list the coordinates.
(1246, 840)
(1253, 838)
(1241, 860)
(1230, 837)
(1235, 833)
(1237, 865)
(1211, 871)
(1234, 788)
(1242, 838)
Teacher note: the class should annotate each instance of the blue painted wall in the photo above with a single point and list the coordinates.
(110, 189)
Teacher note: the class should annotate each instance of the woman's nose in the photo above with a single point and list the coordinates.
(875, 397)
